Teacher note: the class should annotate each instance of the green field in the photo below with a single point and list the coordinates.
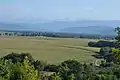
(51, 50)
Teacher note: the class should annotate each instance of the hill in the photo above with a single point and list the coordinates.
(101, 27)
(20, 27)
(98, 30)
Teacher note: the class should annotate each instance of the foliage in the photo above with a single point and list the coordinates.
(105, 50)
(17, 71)
(116, 55)
(23, 71)
(92, 44)
(72, 65)
(51, 67)
(55, 77)
(5, 68)
(118, 37)
(102, 44)
(14, 57)
(67, 70)
(118, 32)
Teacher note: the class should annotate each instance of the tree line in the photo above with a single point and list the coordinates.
(54, 34)
(102, 43)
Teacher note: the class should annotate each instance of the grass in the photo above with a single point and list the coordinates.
(51, 50)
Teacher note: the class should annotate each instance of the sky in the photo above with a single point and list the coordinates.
(35, 10)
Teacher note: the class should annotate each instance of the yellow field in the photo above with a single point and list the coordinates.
(51, 50)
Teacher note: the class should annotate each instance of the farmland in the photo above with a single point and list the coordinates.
(51, 50)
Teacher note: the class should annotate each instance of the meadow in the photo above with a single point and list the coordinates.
(51, 50)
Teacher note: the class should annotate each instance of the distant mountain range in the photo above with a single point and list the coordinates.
(101, 27)
(98, 30)
(21, 27)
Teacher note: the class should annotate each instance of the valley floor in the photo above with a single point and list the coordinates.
(51, 50)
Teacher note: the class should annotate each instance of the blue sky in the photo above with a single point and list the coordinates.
(18, 10)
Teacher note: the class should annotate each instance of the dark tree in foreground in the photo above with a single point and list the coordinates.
(105, 50)
(14, 57)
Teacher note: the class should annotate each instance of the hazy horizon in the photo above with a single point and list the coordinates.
(56, 15)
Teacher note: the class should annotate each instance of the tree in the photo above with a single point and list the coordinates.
(55, 77)
(14, 57)
(71, 77)
(6, 34)
(64, 70)
(73, 65)
(5, 69)
(116, 55)
(52, 68)
(105, 50)
(40, 65)
(92, 44)
(23, 71)
(69, 68)
(117, 37)
(118, 31)
(101, 44)
(17, 71)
